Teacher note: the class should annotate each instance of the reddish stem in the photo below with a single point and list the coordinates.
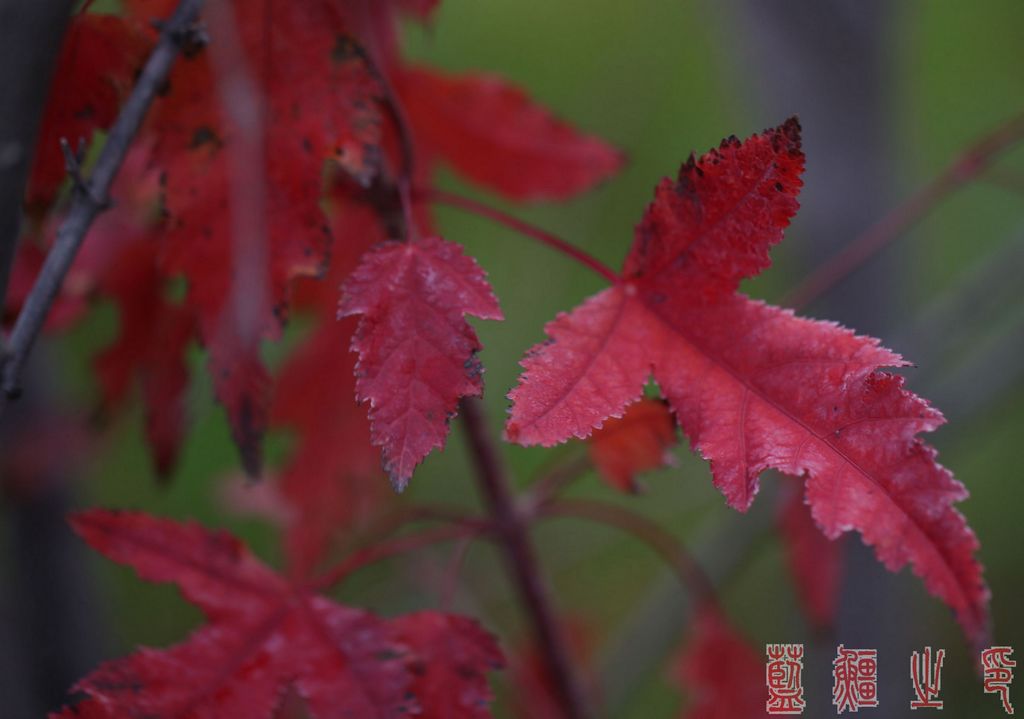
(553, 480)
(451, 574)
(965, 168)
(390, 548)
(511, 528)
(664, 544)
(431, 194)
(405, 197)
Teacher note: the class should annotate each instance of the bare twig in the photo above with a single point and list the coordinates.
(86, 205)
(965, 168)
(73, 160)
(511, 529)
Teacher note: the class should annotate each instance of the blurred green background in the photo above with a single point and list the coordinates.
(917, 82)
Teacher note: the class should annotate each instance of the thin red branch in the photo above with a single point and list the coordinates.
(390, 548)
(553, 481)
(475, 207)
(408, 216)
(966, 167)
(646, 530)
(451, 574)
(511, 528)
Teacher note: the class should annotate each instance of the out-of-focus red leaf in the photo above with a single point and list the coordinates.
(330, 482)
(263, 500)
(321, 104)
(264, 635)
(533, 693)
(638, 441)
(151, 347)
(95, 71)
(67, 308)
(86, 709)
(751, 385)
(450, 658)
(722, 674)
(46, 447)
(121, 262)
(149, 10)
(494, 134)
(417, 352)
(815, 562)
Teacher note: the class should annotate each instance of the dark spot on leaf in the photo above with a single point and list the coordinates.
(204, 136)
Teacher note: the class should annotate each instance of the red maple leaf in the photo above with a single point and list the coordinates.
(452, 659)
(721, 672)
(264, 635)
(753, 386)
(494, 134)
(318, 102)
(534, 694)
(121, 262)
(483, 126)
(151, 347)
(638, 441)
(815, 562)
(417, 353)
(330, 480)
(95, 70)
(86, 709)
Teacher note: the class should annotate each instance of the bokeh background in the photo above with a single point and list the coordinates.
(889, 94)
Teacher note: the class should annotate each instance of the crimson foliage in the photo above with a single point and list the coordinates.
(340, 144)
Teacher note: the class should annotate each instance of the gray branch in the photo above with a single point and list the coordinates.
(91, 196)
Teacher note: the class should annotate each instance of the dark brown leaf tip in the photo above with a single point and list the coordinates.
(787, 136)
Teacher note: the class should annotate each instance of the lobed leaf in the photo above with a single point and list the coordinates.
(495, 135)
(265, 635)
(417, 353)
(751, 385)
